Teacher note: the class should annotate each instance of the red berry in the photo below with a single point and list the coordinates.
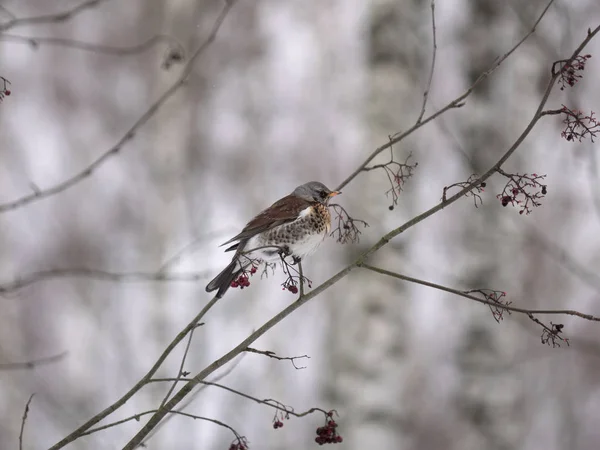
(253, 270)
(293, 289)
(339, 439)
(6, 92)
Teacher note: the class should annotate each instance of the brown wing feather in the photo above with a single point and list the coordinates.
(282, 211)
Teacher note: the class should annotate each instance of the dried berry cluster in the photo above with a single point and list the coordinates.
(294, 276)
(397, 174)
(328, 433)
(239, 444)
(4, 91)
(569, 72)
(465, 184)
(579, 125)
(495, 297)
(524, 191)
(244, 279)
(551, 336)
(277, 424)
(346, 230)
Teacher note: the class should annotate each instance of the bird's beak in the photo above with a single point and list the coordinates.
(334, 193)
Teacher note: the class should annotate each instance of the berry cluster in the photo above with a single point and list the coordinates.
(346, 230)
(496, 297)
(579, 125)
(328, 434)
(475, 191)
(239, 444)
(4, 91)
(517, 191)
(243, 280)
(291, 287)
(569, 73)
(277, 424)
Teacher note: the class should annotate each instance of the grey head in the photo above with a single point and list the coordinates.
(313, 191)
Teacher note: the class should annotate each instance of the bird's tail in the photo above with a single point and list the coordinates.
(222, 282)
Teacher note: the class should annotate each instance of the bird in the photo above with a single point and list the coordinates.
(293, 226)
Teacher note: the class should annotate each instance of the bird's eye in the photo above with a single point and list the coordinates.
(323, 194)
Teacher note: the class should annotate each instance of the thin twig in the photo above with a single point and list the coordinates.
(180, 372)
(140, 384)
(101, 275)
(23, 420)
(145, 413)
(50, 18)
(268, 401)
(191, 397)
(189, 386)
(7, 12)
(33, 363)
(568, 312)
(35, 42)
(301, 285)
(271, 354)
(431, 70)
(115, 149)
(456, 103)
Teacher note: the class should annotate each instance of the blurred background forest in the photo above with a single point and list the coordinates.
(292, 91)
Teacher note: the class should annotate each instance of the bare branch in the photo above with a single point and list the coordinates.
(33, 363)
(180, 373)
(346, 230)
(140, 384)
(115, 149)
(7, 12)
(456, 103)
(137, 417)
(175, 48)
(432, 69)
(189, 386)
(485, 301)
(475, 193)
(97, 274)
(50, 18)
(271, 354)
(23, 420)
(551, 335)
(397, 175)
(288, 410)
(191, 397)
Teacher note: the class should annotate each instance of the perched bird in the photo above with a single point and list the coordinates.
(294, 226)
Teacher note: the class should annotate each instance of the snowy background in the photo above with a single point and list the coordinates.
(293, 91)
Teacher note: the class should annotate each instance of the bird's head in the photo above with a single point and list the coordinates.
(314, 191)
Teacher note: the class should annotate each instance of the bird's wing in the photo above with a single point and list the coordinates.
(282, 211)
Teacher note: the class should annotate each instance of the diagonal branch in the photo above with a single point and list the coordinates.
(35, 42)
(456, 103)
(23, 420)
(33, 363)
(98, 274)
(140, 384)
(115, 149)
(50, 18)
(432, 69)
(568, 312)
(180, 413)
(271, 354)
(198, 378)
